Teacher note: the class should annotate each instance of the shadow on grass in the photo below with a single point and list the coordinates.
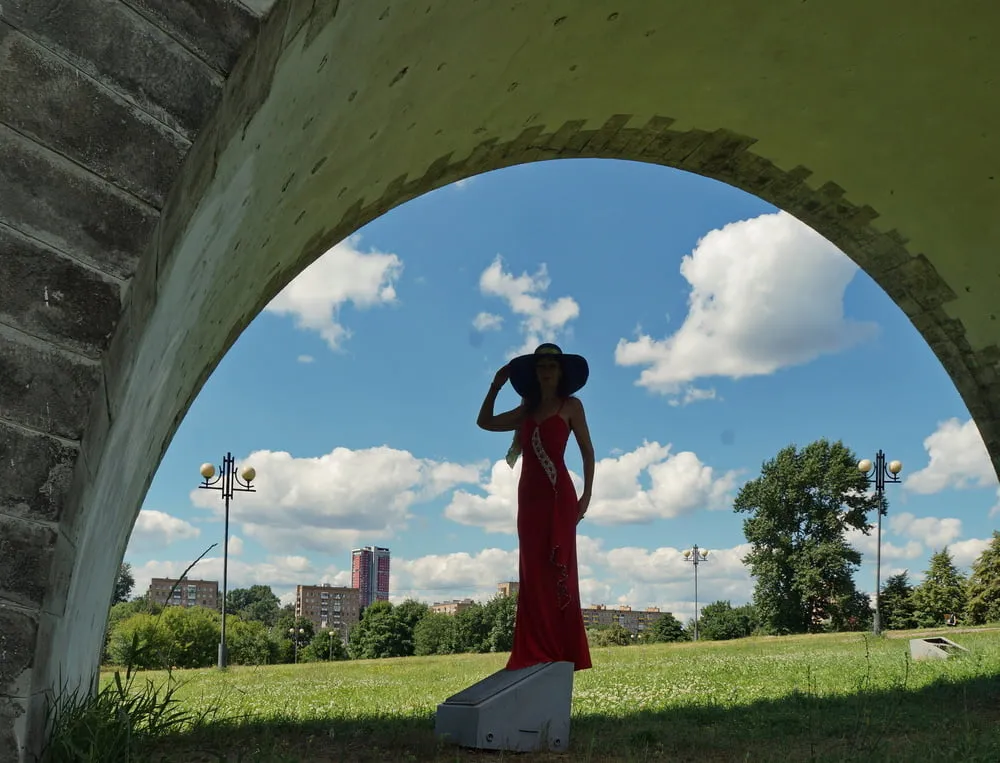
(945, 721)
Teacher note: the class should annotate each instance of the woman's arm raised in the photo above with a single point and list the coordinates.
(507, 421)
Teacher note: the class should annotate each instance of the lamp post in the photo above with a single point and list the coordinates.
(696, 556)
(228, 482)
(331, 644)
(879, 473)
(295, 641)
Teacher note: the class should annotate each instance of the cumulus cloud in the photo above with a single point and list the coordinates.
(933, 532)
(678, 484)
(329, 502)
(766, 293)
(663, 578)
(867, 545)
(958, 459)
(456, 575)
(156, 529)
(965, 552)
(487, 322)
(541, 321)
(344, 274)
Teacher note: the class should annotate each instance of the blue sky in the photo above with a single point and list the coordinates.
(718, 330)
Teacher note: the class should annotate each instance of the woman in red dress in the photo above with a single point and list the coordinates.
(549, 623)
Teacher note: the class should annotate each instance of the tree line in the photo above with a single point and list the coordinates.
(798, 514)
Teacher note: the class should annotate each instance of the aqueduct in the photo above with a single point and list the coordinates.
(156, 154)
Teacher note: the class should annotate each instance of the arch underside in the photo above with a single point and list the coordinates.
(337, 112)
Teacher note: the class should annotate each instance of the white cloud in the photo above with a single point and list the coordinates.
(868, 546)
(156, 529)
(343, 274)
(330, 502)
(487, 322)
(540, 321)
(235, 545)
(931, 531)
(447, 576)
(766, 293)
(663, 579)
(305, 359)
(958, 459)
(965, 552)
(678, 484)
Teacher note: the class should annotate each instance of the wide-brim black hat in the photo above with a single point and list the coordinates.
(523, 379)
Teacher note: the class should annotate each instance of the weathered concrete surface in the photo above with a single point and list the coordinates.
(99, 102)
(881, 137)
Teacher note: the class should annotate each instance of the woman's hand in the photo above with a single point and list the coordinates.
(501, 377)
(583, 504)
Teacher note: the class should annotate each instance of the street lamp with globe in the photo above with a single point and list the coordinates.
(228, 481)
(879, 473)
(696, 556)
(295, 641)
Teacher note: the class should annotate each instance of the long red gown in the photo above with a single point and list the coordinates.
(549, 623)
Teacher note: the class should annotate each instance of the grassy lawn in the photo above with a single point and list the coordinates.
(830, 697)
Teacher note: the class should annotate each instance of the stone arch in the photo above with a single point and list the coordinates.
(338, 111)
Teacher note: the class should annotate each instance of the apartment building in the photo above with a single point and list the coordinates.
(334, 607)
(508, 588)
(188, 593)
(370, 573)
(633, 620)
(452, 607)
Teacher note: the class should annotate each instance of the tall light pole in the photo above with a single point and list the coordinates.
(879, 473)
(696, 556)
(228, 482)
(295, 641)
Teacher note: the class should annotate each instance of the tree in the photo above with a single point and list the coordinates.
(434, 634)
(472, 629)
(609, 635)
(409, 613)
(941, 594)
(380, 633)
(140, 642)
(720, 621)
(983, 588)
(896, 602)
(257, 602)
(248, 642)
(800, 509)
(667, 628)
(124, 583)
(499, 615)
(326, 645)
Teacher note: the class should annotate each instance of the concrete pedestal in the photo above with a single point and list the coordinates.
(523, 710)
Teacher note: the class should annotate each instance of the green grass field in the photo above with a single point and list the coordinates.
(824, 698)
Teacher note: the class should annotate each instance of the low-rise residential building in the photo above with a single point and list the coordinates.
(452, 607)
(184, 592)
(633, 620)
(508, 588)
(334, 607)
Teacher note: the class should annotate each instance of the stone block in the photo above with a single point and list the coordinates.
(46, 99)
(127, 52)
(25, 559)
(10, 713)
(216, 30)
(17, 645)
(38, 487)
(71, 210)
(53, 297)
(45, 389)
